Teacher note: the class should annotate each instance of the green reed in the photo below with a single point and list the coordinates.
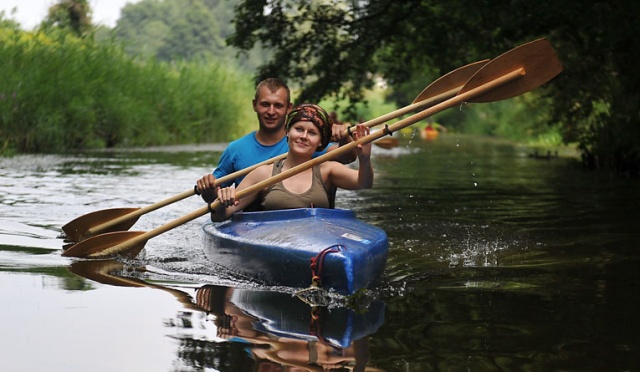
(60, 93)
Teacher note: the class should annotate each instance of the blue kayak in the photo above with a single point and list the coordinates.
(298, 248)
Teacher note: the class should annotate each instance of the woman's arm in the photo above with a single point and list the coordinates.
(350, 179)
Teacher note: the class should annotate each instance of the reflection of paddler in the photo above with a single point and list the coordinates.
(274, 350)
(236, 324)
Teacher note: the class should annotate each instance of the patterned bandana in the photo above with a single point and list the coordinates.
(315, 114)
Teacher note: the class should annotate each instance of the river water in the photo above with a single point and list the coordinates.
(498, 261)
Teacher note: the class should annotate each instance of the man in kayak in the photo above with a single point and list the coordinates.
(308, 128)
(271, 103)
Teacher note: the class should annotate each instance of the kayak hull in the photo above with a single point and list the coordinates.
(277, 248)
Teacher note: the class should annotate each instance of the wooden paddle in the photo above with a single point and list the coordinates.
(511, 74)
(121, 219)
(387, 142)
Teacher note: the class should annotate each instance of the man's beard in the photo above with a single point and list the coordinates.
(272, 130)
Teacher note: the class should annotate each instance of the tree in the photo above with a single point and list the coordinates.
(182, 29)
(9, 23)
(340, 46)
(170, 29)
(73, 15)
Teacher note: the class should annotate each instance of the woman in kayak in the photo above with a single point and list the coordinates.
(308, 130)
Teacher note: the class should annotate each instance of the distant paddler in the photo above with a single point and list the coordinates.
(431, 131)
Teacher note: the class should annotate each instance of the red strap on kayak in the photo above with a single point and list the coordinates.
(318, 260)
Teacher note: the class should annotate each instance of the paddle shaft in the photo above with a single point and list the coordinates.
(454, 101)
(371, 123)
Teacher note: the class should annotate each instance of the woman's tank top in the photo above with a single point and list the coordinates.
(278, 197)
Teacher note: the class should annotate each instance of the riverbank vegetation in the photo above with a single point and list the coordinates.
(63, 92)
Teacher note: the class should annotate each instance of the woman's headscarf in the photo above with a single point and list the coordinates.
(315, 114)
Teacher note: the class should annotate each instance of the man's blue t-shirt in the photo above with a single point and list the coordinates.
(245, 152)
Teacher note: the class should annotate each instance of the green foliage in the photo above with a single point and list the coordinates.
(312, 46)
(182, 29)
(90, 94)
(372, 106)
(338, 47)
(69, 15)
(169, 29)
(612, 144)
(517, 119)
(8, 22)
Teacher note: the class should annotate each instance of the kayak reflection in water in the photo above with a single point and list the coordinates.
(305, 349)
(279, 329)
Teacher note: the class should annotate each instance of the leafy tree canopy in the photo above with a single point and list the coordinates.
(72, 15)
(169, 29)
(340, 46)
(8, 23)
(183, 29)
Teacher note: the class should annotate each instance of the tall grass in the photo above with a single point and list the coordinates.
(60, 93)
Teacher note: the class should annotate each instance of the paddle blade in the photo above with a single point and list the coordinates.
(537, 58)
(387, 142)
(453, 79)
(101, 271)
(80, 228)
(107, 245)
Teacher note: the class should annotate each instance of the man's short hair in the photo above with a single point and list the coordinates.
(273, 84)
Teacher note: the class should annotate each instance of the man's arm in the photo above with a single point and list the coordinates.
(206, 185)
(206, 188)
(340, 135)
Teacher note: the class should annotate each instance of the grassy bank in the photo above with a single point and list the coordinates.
(61, 93)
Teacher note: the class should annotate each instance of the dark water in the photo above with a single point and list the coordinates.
(498, 262)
